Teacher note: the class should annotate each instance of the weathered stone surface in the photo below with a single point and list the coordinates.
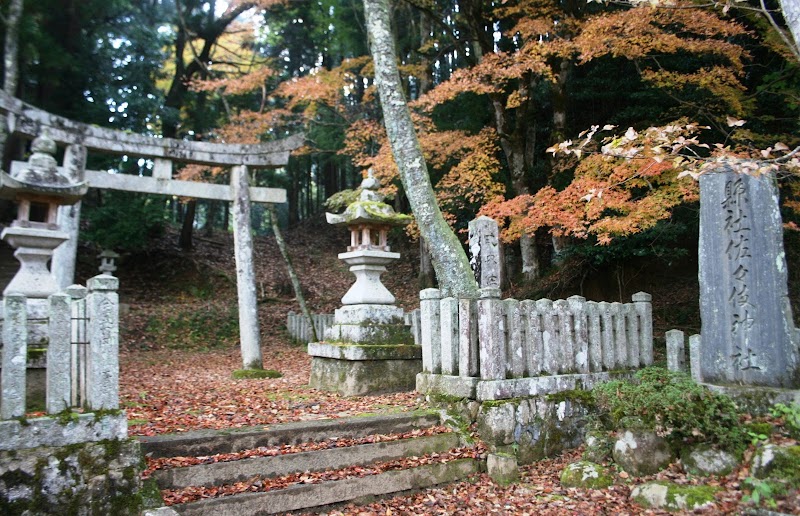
(676, 350)
(102, 306)
(34, 248)
(642, 453)
(484, 248)
(371, 314)
(695, 354)
(448, 317)
(502, 468)
(443, 385)
(673, 497)
(747, 327)
(705, 460)
(364, 352)
(58, 354)
(90, 478)
(430, 327)
(47, 431)
(365, 333)
(642, 302)
(534, 386)
(15, 356)
(598, 446)
(367, 266)
(249, 334)
(491, 328)
(536, 427)
(586, 475)
(777, 462)
(362, 377)
(468, 338)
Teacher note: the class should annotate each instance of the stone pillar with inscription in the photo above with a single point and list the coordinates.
(484, 248)
(747, 327)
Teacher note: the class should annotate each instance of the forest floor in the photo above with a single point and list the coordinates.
(179, 346)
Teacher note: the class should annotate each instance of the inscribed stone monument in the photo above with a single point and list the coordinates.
(747, 328)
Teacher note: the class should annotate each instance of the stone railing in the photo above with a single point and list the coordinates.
(300, 330)
(82, 356)
(491, 349)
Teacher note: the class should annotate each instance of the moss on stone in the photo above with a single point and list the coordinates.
(36, 353)
(580, 396)
(251, 374)
(587, 475)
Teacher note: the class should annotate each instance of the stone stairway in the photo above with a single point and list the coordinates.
(307, 465)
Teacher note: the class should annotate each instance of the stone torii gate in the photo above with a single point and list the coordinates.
(28, 121)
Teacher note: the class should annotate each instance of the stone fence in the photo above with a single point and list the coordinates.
(81, 330)
(491, 349)
(300, 330)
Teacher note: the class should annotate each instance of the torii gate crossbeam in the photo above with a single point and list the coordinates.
(29, 121)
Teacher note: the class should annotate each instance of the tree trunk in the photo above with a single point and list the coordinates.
(791, 14)
(448, 256)
(298, 289)
(185, 240)
(11, 62)
(426, 277)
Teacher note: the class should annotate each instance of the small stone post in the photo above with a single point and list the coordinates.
(58, 354)
(431, 328)
(676, 351)
(515, 359)
(448, 317)
(491, 330)
(533, 338)
(695, 356)
(468, 352)
(15, 356)
(644, 307)
(103, 310)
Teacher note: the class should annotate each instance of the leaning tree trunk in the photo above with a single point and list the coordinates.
(298, 290)
(187, 228)
(11, 62)
(448, 256)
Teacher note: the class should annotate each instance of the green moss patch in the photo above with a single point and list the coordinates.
(255, 374)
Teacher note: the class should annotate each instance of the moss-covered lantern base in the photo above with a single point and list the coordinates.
(359, 370)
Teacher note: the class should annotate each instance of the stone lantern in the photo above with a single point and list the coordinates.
(39, 188)
(368, 349)
(108, 259)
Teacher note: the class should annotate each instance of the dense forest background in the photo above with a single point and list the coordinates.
(492, 87)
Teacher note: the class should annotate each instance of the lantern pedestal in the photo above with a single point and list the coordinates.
(34, 248)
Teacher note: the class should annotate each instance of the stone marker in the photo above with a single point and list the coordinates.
(747, 327)
(484, 248)
(676, 351)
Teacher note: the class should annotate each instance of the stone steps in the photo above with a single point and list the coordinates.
(326, 461)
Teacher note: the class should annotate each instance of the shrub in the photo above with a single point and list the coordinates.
(674, 406)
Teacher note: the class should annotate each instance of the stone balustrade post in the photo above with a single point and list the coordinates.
(491, 330)
(448, 318)
(468, 350)
(103, 312)
(515, 359)
(532, 343)
(430, 328)
(595, 337)
(15, 356)
(695, 357)
(58, 353)
(676, 351)
(580, 333)
(549, 336)
(644, 307)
